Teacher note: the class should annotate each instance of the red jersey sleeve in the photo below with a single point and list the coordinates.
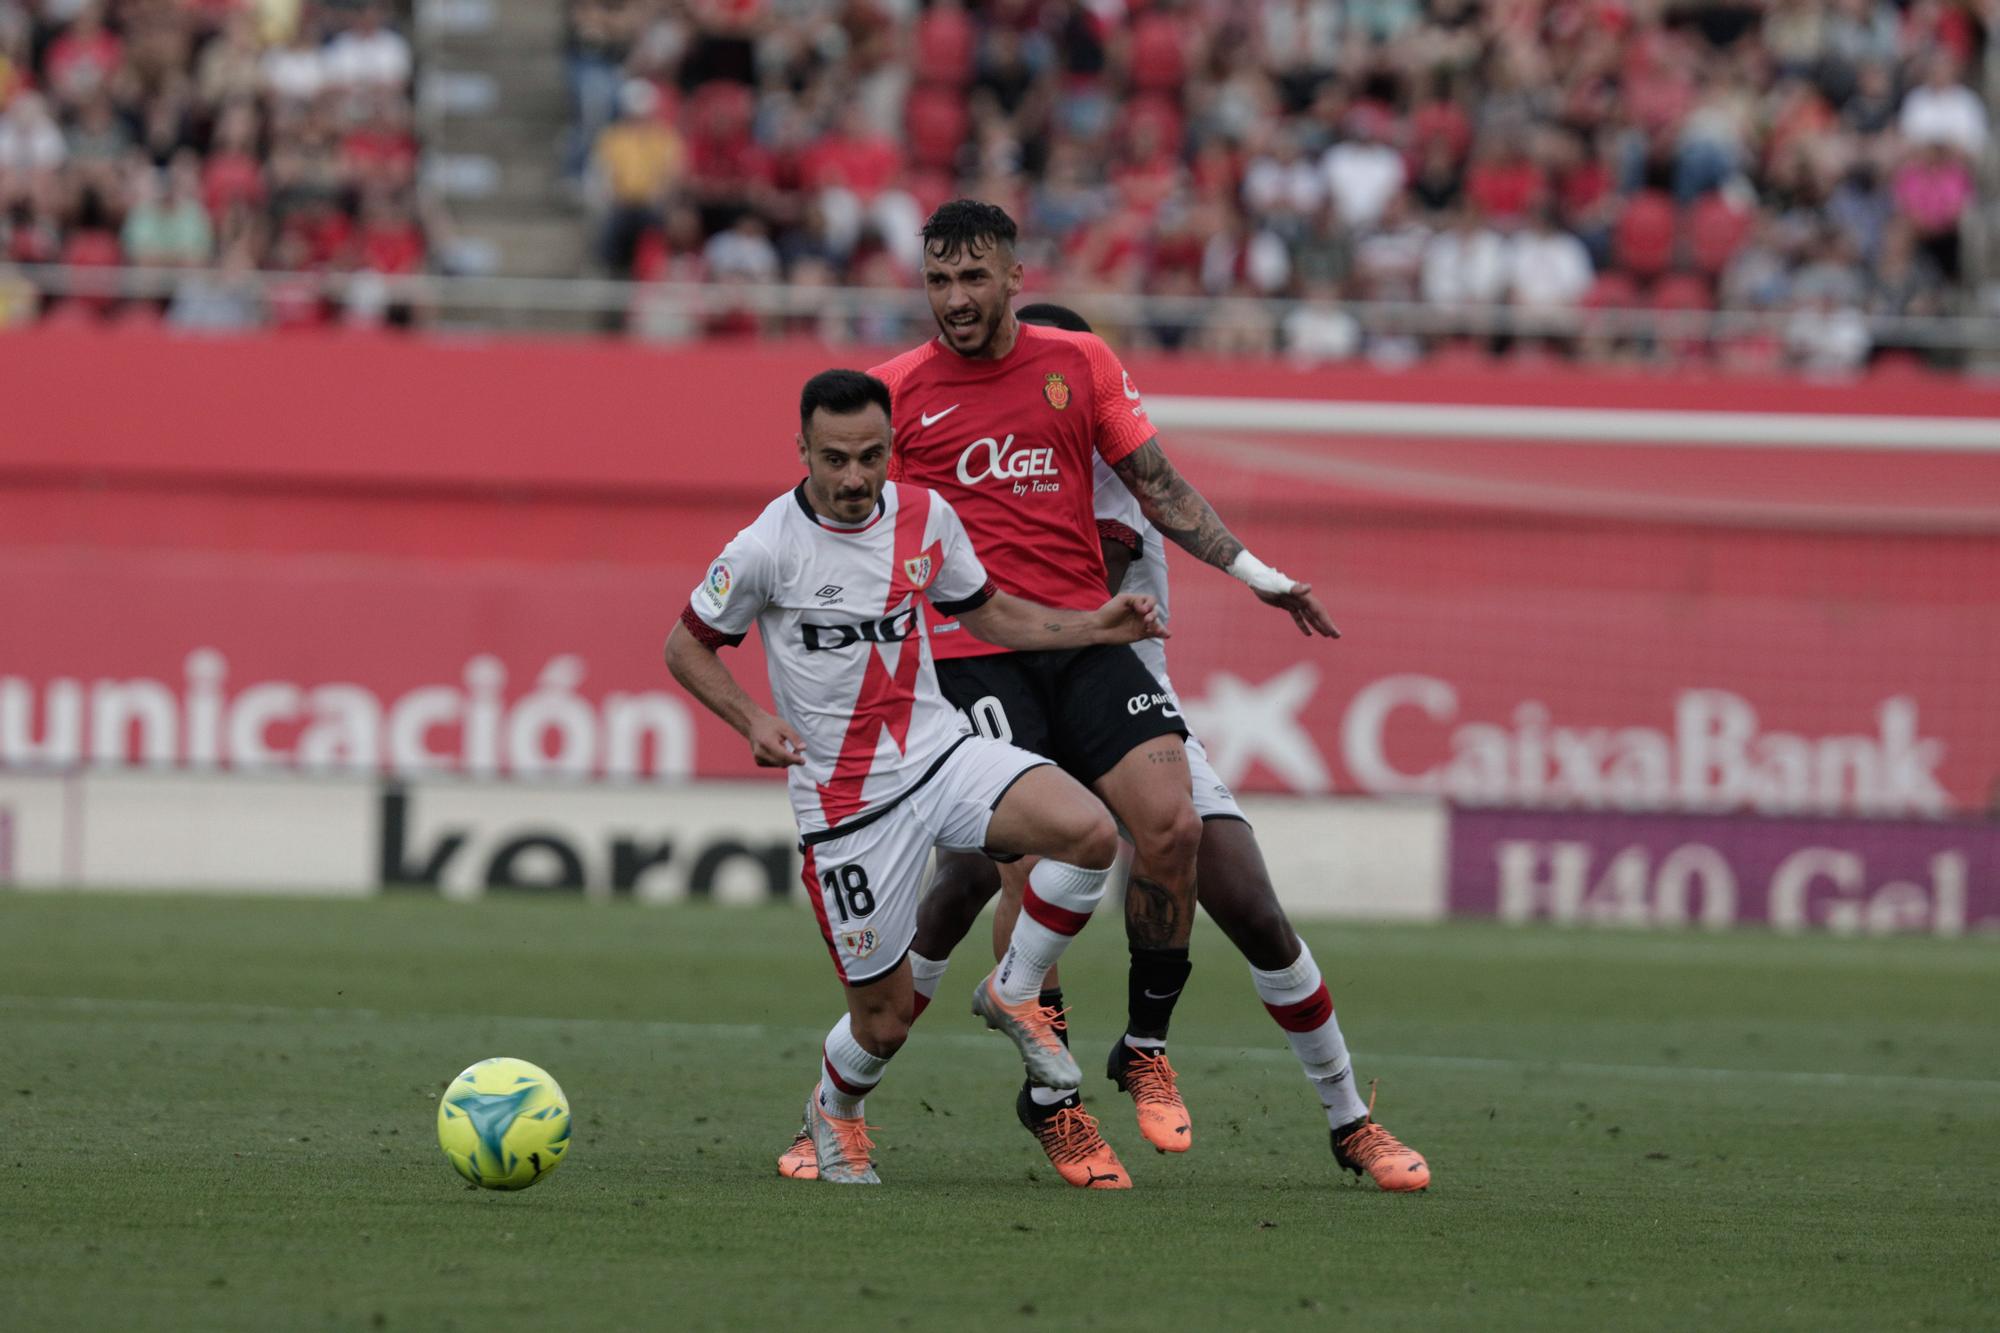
(1121, 420)
(894, 373)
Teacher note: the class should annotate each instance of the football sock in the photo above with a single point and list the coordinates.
(1297, 998)
(1054, 1099)
(1052, 998)
(1055, 905)
(848, 1072)
(925, 974)
(1152, 987)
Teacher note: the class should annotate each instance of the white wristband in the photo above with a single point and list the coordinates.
(1258, 575)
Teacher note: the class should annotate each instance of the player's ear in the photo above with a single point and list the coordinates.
(804, 460)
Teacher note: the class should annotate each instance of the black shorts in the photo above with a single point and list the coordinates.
(1085, 708)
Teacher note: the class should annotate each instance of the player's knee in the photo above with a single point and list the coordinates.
(1170, 836)
(1093, 843)
(883, 1031)
(1255, 924)
(963, 882)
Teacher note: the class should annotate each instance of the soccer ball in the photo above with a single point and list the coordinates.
(504, 1124)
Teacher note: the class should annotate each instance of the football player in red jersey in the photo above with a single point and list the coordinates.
(1006, 421)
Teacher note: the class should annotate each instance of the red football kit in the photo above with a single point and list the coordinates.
(1011, 444)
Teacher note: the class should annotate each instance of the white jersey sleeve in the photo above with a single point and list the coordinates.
(1147, 574)
(1114, 501)
(736, 588)
(961, 583)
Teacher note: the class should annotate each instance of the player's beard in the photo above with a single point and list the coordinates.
(985, 330)
(848, 507)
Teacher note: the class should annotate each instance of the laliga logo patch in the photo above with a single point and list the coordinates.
(1056, 389)
(861, 943)
(918, 568)
(717, 586)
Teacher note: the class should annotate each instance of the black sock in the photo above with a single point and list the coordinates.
(1052, 999)
(1152, 987)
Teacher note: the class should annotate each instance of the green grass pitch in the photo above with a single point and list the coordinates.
(218, 1114)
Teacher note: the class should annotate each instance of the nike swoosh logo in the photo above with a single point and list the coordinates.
(1168, 996)
(930, 420)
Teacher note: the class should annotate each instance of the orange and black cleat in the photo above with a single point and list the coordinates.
(1163, 1116)
(1365, 1146)
(1068, 1134)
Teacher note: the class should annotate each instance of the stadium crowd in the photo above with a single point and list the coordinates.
(1818, 161)
(218, 137)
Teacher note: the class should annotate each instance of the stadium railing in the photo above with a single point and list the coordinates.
(685, 311)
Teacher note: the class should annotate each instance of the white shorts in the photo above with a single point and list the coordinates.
(1212, 797)
(864, 885)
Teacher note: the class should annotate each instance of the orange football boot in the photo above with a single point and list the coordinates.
(1077, 1151)
(1367, 1146)
(1033, 1028)
(1163, 1116)
(801, 1160)
(842, 1149)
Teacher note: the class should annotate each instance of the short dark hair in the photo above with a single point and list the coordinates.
(842, 393)
(1054, 316)
(970, 225)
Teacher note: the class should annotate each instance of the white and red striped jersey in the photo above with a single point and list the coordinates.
(1115, 504)
(844, 639)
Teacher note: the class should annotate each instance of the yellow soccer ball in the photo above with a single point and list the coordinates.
(504, 1124)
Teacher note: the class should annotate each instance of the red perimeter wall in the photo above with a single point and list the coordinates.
(465, 555)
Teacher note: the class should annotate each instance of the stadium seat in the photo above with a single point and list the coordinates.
(1643, 241)
(1715, 229)
(937, 121)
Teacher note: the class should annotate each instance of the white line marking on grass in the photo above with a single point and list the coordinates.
(740, 1031)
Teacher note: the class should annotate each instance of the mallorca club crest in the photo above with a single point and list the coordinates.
(1056, 389)
(919, 568)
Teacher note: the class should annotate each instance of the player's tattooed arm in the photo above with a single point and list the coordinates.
(773, 743)
(1015, 622)
(1176, 507)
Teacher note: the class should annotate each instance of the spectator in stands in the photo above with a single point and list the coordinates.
(1363, 172)
(1547, 268)
(1318, 330)
(295, 71)
(1466, 264)
(369, 54)
(600, 40)
(32, 148)
(1933, 190)
(1942, 110)
(639, 159)
(166, 226)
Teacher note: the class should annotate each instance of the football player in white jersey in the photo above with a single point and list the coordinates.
(1232, 884)
(881, 769)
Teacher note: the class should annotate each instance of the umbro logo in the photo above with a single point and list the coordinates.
(830, 594)
(930, 419)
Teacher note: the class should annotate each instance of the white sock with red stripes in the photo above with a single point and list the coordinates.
(1055, 905)
(847, 1072)
(1298, 1000)
(925, 974)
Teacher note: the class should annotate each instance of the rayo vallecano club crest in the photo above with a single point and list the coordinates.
(1056, 389)
(918, 567)
(861, 943)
